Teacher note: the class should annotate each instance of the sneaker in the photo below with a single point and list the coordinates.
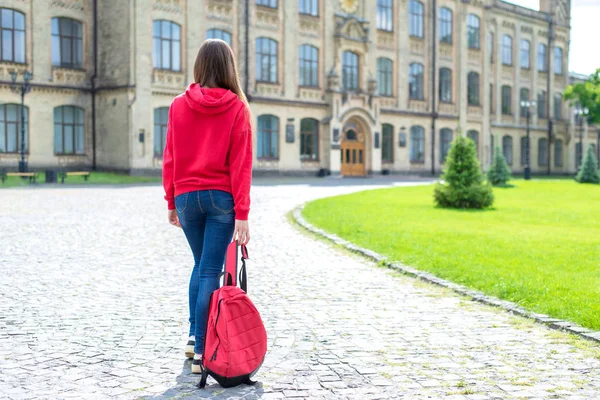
(197, 364)
(189, 347)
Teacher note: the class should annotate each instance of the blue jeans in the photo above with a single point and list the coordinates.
(208, 220)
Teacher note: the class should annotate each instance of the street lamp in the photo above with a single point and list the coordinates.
(23, 88)
(580, 114)
(529, 105)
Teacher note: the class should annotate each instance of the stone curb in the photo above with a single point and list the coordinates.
(476, 295)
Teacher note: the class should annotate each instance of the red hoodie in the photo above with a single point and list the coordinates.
(209, 146)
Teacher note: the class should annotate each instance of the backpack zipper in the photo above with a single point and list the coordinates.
(214, 356)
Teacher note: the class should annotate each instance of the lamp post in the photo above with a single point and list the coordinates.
(23, 88)
(528, 105)
(580, 114)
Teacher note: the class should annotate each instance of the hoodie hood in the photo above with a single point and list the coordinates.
(209, 100)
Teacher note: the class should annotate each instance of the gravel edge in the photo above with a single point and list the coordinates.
(476, 295)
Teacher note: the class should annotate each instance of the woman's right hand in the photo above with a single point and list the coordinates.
(241, 232)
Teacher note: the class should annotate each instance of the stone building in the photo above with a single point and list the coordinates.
(343, 86)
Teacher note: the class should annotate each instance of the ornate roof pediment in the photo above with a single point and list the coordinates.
(352, 28)
(562, 11)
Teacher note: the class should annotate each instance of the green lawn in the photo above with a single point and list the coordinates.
(94, 178)
(539, 246)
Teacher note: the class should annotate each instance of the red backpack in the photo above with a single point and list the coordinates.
(235, 343)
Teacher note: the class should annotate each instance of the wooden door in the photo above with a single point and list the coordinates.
(353, 157)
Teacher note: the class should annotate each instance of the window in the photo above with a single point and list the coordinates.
(445, 25)
(385, 15)
(541, 104)
(523, 96)
(507, 146)
(161, 122)
(309, 65)
(474, 136)
(492, 147)
(219, 34)
(523, 149)
(10, 128)
(578, 154)
(67, 43)
(167, 45)
(69, 137)
(445, 85)
(267, 3)
(417, 144)
(308, 7)
(543, 152)
(309, 139)
(445, 142)
(525, 54)
(557, 106)
(558, 153)
(385, 82)
(266, 60)
(473, 31)
(506, 100)
(492, 108)
(268, 137)
(492, 47)
(506, 50)
(350, 70)
(12, 36)
(473, 88)
(387, 143)
(558, 61)
(415, 81)
(416, 20)
(541, 61)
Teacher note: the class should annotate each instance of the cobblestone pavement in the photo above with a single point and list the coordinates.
(93, 286)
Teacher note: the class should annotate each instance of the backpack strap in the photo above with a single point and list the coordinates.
(203, 379)
(243, 275)
(231, 262)
(228, 281)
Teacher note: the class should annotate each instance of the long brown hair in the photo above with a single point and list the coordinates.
(215, 66)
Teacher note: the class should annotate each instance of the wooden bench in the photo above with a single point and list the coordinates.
(30, 175)
(65, 174)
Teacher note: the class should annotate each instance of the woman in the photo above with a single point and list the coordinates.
(207, 171)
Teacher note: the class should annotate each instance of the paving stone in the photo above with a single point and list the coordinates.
(295, 393)
(430, 383)
(272, 396)
(334, 385)
(339, 327)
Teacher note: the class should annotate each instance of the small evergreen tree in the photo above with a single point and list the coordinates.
(464, 185)
(499, 173)
(588, 172)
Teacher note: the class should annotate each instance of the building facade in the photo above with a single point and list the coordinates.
(351, 87)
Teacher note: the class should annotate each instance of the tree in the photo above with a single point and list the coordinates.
(588, 173)
(463, 182)
(499, 173)
(587, 94)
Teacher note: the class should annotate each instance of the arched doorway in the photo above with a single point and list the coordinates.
(353, 154)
